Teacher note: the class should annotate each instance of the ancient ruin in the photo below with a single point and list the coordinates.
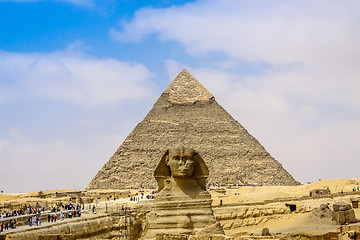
(186, 113)
(343, 213)
(246, 212)
(182, 205)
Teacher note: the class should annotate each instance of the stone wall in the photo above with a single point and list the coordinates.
(80, 228)
(235, 216)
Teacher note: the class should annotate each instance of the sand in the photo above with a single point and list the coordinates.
(251, 194)
(290, 224)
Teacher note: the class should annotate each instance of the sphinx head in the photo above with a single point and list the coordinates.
(181, 163)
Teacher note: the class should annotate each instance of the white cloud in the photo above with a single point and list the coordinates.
(278, 31)
(72, 77)
(66, 150)
(3, 144)
(310, 47)
(53, 164)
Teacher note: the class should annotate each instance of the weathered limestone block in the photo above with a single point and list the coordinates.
(269, 211)
(343, 213)
(341, 206)
(236, 224)
(323, 211)
(265, 232)
(281, 210)
(339, 217)
(228, 225)
(79, 228)
(350, 216)
(350, 235)
(256, 213)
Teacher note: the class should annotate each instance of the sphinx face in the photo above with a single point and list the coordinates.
(181, 162)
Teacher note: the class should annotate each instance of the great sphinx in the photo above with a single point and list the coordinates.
(182, 204)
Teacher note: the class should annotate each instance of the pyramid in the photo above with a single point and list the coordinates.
(187, 114)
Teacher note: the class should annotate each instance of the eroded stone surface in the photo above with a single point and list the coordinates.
(323, 211)
(182, 206)
(76, 229)
(343, 213)
(186, 113)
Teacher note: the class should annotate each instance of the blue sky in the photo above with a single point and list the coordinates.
(76, 76)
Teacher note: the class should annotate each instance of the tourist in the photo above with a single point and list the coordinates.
(38, 220)
(12, 223)
(1, 226)
(30, 222)
(33, 219)
(62, 216)
(55, 216)
(6, 225)
(48, 217)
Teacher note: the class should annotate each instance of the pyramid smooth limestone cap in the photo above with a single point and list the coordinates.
(185, 89)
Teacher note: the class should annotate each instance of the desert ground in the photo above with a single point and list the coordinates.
(253, 201)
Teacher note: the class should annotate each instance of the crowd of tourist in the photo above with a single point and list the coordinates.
(4, 225)
(138, 198)
(27, 209)
(60, 211)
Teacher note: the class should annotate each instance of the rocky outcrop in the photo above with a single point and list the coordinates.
(186, 113)
(323, 211)
(237, 217)
(81, 228)
(343, 213)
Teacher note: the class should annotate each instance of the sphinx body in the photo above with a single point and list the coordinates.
(182, 205)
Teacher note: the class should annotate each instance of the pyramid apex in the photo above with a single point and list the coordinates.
(185, 89)
(184, 71)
